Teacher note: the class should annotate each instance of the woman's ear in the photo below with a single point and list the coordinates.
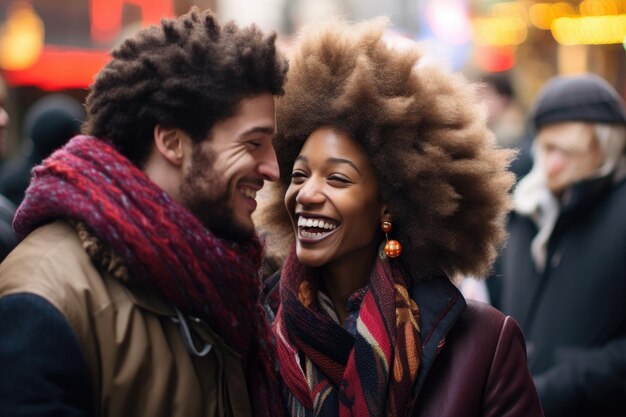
(169, 143)
(385, 215)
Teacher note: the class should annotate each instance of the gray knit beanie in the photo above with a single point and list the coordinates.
(586, 98)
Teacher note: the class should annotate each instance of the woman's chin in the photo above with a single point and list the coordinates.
(311, 259)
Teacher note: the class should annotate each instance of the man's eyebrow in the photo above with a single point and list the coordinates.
(332, 161)
(258, 129)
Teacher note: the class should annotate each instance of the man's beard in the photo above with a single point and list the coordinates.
(208, 198)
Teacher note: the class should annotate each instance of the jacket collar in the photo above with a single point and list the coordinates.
(440, 305)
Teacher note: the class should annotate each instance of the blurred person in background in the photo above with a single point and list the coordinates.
(506, 119)
(564, 268)
(135, 290)
(395, 151)
(48, 124)
(8, 238)
(4, 120)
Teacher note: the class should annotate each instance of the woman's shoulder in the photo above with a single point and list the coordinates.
(480, 315)
(496, 345)
(489, 328)
(486, 314)
(482, 357)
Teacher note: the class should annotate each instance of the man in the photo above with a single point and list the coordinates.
(135, 290)
(563, 269)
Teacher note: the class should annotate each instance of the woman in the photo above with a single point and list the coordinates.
(393, 186)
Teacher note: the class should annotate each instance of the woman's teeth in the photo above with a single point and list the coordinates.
(315, 228)
(317, 223)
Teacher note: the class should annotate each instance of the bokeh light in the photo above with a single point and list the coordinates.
(21, 41)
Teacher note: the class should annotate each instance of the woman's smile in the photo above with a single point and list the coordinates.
(314, 229)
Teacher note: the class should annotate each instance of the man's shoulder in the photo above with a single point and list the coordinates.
(608, 211)
(48, 245)
(49, 262)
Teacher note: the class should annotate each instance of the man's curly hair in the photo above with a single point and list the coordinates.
(437, 165)
(187, 73)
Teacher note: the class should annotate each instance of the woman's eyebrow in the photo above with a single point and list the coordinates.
(332, 160)
(343, 161)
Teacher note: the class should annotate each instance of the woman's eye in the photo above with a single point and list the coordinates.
(298, 176)
(339, 178)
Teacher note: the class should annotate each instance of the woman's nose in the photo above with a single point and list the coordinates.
(310, 193)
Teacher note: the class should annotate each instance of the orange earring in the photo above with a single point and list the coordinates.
(393, 249)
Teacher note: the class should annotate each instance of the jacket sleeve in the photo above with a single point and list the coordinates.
(585, 381)
(510, 391)
(42, 367)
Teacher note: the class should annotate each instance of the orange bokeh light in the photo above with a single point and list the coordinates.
(60, 68)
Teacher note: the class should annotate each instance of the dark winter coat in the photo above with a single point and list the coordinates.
(573, 315)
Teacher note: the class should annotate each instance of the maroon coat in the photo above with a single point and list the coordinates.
(473, 358)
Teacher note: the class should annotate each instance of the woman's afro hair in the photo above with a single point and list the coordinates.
(187, 73)
(438, 168)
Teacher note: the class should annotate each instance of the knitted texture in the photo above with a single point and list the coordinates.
(164, 246)
(369, 374)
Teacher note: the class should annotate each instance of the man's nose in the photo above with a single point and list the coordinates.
(268, 167)
(555, 161)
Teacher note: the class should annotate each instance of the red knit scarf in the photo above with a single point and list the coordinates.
(164, 246)
(372, 374)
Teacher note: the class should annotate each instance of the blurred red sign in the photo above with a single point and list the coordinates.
(70, 58)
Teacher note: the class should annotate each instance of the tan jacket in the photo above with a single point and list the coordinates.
(131, 341)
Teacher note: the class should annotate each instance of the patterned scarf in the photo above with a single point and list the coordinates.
(165, 247)
(372, 374)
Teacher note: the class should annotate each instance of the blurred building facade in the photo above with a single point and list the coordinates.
(58, 45)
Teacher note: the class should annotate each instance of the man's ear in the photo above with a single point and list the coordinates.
(170, 144)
